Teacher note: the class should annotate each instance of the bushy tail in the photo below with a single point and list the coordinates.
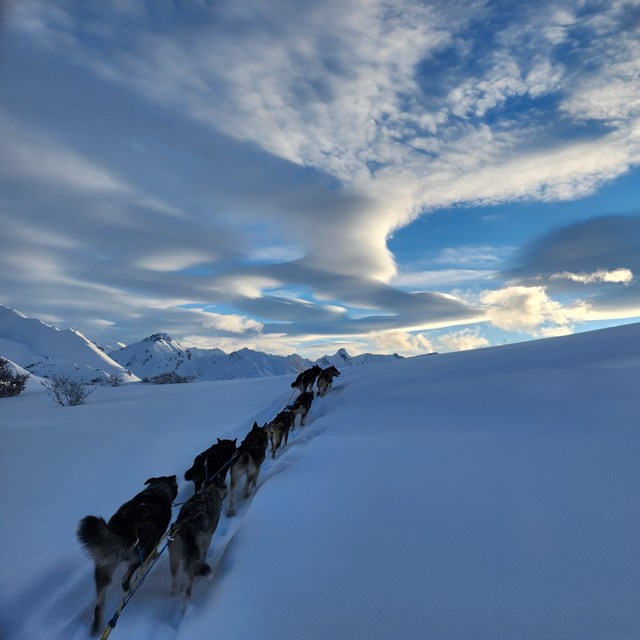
(96, 538)
(188, 474)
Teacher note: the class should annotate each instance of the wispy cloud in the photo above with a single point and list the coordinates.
(249, 148)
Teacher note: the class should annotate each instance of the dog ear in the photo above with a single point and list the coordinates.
(150, 480)
(219, 441)
(255, 425)
(235, 440)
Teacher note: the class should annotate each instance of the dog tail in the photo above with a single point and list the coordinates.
(95, 537)
(188, 474)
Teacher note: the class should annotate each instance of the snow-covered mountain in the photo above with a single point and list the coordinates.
(341, 359)
(44, 350)
(159, 353)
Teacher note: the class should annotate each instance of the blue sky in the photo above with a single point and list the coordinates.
(385, 176)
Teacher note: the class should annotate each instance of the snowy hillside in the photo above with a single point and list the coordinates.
(486, 494)
(45, 350)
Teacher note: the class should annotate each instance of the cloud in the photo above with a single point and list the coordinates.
(621, 275)
(462, 340)
(401, 342)
(261, 147)
(594, 260)
(528, 309)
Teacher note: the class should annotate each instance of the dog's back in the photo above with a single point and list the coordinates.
(306, 378)
(249, 457)
(210, 461)
(325, 379)
(141, 520)
(302, 405)
(194, 528)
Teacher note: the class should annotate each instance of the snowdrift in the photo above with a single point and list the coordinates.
(487, 494)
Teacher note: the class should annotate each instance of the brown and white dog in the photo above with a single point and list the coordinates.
(193, 530)
(325, 379)
(131, 535)
(279, 428)
(248, 460)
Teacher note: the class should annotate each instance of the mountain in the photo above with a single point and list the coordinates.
(44, 350)
(341, 359)
(160, 353)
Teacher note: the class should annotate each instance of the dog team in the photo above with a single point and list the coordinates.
(133, 533)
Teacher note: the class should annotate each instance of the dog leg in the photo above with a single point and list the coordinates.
(231, 511)
(254, 480)
(126, 578)
(102, 576)
(247, 486)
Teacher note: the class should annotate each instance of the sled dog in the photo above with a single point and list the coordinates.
(301, 407)
(131, 535)
(304, 381)
(209, 462)
(325, 379)
(193, 530)
(249, 458)
(278, 428)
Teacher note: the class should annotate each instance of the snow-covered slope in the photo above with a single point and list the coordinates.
(486, 494)
(45, 350)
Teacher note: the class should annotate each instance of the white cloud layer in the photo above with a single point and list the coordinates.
(164, 154)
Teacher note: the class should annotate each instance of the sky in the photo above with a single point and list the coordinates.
(301, 176)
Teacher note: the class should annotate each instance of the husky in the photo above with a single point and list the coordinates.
(301, 407)
(278, 428)
(192, 533)
(304, 381)
(249, 458)
(209, 462)
(131, 535)
(325, 379)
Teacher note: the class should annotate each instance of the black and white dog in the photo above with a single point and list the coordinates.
(208, 463)
(192, 533)
(279, 428)
(249, 458)
(301, 407)
(304, 381)
(325, 379)
(131, 535)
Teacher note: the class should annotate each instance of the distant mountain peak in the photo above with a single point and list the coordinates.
(159, 337)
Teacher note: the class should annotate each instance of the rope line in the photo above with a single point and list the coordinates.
(146, 565)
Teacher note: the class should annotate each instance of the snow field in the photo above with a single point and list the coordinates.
(481, 495)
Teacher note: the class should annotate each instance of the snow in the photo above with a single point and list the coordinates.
(486, 494)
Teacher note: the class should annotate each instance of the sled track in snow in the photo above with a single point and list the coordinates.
(168, 617)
